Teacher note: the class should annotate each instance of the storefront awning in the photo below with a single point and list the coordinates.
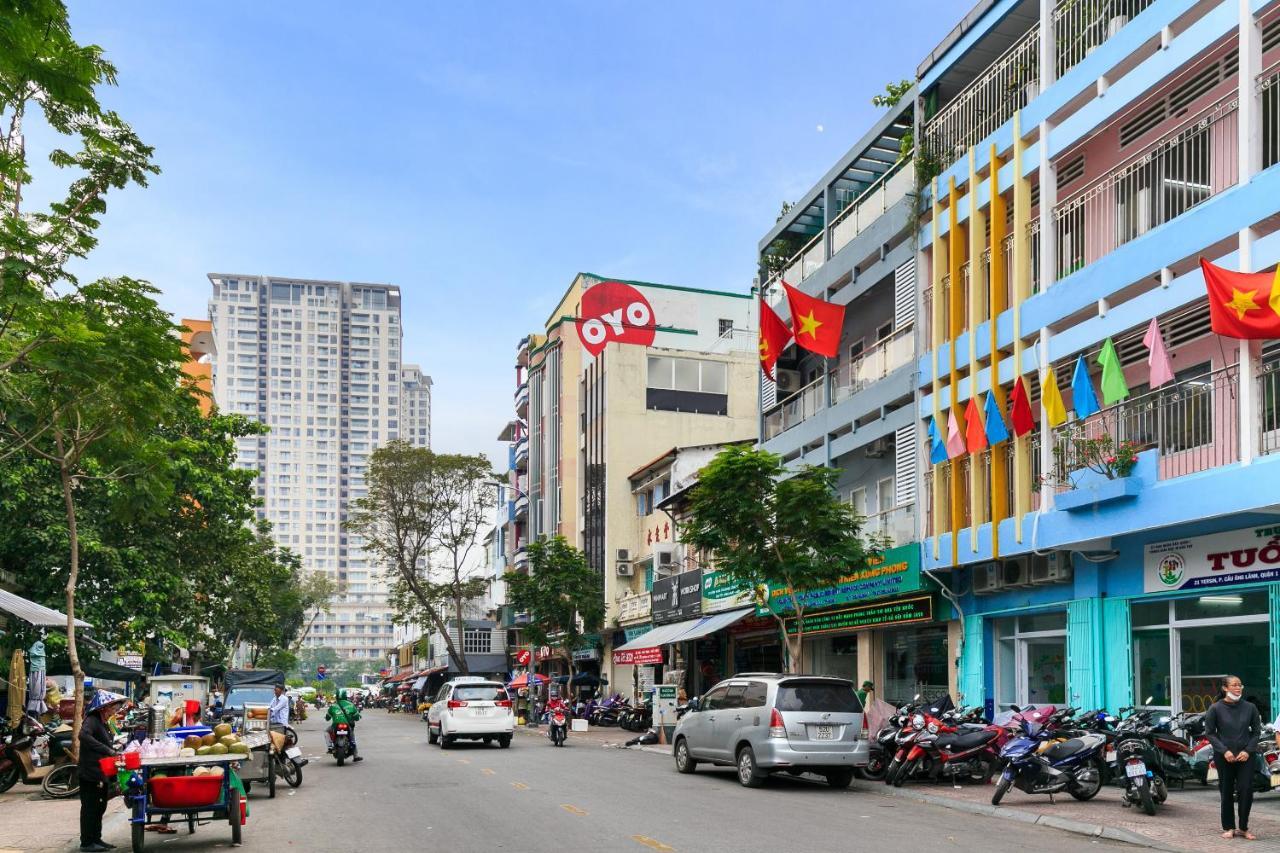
(36, 614)
(659, 636)
(708, 625)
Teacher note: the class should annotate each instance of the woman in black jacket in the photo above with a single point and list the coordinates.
(95, 787)
(1233, 726)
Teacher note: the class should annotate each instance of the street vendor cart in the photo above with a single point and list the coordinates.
(163, 790)
(271, 753)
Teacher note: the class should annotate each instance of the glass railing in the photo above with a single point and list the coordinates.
(876, 363)
(896, 526)
(872, 203)
(795, 409)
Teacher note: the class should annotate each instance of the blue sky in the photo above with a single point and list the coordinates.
(478, 155)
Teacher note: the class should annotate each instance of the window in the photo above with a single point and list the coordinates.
(725, 327)
(818, 696)
(755, 695)
(475, 641)
(855, 349)
(687, 385)
(733, 699)
(480, 693)
(714, 700)
(884, 331)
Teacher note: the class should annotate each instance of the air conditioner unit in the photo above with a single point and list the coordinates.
(624, 555)
(787, 381)
(878, 448)
(986, 578)
(623, 570)
(1054, 567)
(1015, 572)
(664, 559)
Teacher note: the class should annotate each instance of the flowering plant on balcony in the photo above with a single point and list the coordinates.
(1101, 454)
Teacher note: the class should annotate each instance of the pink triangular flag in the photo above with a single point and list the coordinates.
(1157, 358)
(955, 440)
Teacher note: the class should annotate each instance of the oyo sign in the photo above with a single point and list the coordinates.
(614, 311)
(522, 657)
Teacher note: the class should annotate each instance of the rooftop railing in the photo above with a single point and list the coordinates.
(1079, 26)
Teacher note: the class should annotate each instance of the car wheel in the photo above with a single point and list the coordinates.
(749, 773)
(446, 741)
(685, 762)
(840, 778)
(504, 741)
(432, 737)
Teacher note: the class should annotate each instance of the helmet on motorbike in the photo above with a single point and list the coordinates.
(103, 699)
(342, 694)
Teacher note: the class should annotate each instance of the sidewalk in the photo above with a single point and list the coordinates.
(31, 823)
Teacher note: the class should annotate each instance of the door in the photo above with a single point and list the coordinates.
(696, 725)
(726, 722)
(1043, 671)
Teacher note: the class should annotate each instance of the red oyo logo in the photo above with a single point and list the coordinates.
(614, 311)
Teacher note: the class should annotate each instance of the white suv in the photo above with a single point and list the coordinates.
(471, 708)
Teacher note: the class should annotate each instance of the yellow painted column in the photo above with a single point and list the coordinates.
(956, 319)
(1021, 290)
(938, 332)
(975, 299)
(996, 304)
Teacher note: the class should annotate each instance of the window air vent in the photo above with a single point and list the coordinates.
(1192, 324)
(1035, 194)
(1134, 129)
(1070, 172)
(1230, 64)
(1271, 35)
(1186, 94)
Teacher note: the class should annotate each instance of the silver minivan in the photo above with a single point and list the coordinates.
(764, 723)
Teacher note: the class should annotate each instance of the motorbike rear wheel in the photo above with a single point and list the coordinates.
(876, 768)
(1084, 793)
(891, 771)
(905, 771)
(8, 778)
(1002, 788)
(62, 782)
(291, 772)
(1145, 801)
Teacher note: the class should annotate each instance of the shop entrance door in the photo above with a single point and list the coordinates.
(1042, 671)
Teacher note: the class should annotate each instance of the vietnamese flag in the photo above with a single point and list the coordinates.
(816, 324)
(774, 336)
(1243, 304)
(1020, 408)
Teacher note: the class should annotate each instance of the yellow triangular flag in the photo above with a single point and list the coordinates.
(1274, 301)
(1051, 399)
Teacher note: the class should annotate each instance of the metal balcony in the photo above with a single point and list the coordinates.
(522, 400)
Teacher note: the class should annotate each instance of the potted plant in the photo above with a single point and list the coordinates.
(1096, 469)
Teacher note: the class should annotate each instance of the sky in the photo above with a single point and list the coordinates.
(479, 155)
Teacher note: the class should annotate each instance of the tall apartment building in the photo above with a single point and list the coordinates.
(586, 416)
(1087, 156)
(319, 362)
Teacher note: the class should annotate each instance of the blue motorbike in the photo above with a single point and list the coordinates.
(1047, 759)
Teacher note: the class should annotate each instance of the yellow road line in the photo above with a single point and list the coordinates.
(573, 809)
(652, 842)
(463, 760)
(486, 771)
(520, 786)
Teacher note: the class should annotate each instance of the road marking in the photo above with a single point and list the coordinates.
(573, 810)
(486, 771)
(463, 760)
(520, 786)
(652, 842)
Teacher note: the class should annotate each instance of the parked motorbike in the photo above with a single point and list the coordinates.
(341, 742)
(58, 778)
(1047, 757)
(559, 726)
(915, 742)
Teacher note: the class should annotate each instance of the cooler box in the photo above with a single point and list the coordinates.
(579, 725)
(185, 792)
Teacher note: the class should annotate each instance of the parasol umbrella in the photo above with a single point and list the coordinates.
(523, 680)
(35, 681)
(17, 686)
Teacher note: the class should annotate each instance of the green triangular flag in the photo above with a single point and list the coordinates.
(1114, 388)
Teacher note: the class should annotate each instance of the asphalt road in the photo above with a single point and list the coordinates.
(532, 797)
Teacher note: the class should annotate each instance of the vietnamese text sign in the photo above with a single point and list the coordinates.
(720, 592)
(895, 572)
(1250, 555)
(634, 657)
(917, 609)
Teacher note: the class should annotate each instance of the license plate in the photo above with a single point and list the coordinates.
(1111, 756)
(293, 752)
(824, 733)
(1135, 770)
(481, 712)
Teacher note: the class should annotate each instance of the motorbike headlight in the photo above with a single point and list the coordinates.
(918, 721)
(933, 728)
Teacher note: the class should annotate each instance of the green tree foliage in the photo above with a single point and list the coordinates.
(774, 532)
(893, 93)
(563, 596)
(421, 520)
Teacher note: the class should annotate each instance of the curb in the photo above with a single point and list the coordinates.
(1079, 827)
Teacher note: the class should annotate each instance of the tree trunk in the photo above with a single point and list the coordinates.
(462, 634)
(73, 575)
(794, 648)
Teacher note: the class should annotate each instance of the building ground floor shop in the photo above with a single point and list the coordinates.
(1157, 623)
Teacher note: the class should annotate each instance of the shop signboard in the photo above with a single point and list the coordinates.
(677, 597)
(635, 657)
(635, 631)
(895, 572)
(720, 593)
(1249, 555)
(901, 612)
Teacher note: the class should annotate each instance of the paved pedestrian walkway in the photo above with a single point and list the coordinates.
(32, 823)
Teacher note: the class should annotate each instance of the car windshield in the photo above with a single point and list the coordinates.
(252, 695)
(826, 696)
(479, 693)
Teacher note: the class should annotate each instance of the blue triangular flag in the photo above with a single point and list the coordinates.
(937, 448)
(1083, 400)
(996, 430)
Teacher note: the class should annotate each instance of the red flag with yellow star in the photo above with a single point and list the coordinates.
(816, 324)
(1243, 304)
(774, 336)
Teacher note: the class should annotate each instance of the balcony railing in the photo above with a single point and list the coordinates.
(893, 527)
(1169, 177)
(1269, 401)
(1194, 425)
(876, 363)
(871, 203)
(988, 102)
(633, 607)
(1079, 26)
(522, 397)
(797, 408)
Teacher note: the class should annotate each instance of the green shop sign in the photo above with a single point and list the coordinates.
(721, 592)
(907, 610)
(895, 572)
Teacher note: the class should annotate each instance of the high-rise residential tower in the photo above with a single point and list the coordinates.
(320, 363)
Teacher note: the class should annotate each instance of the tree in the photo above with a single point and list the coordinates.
(774, 533)
(563, 596)
(421, 520)
(893, 94)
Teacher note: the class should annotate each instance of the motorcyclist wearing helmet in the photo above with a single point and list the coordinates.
(343, 711)
(95, 787)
